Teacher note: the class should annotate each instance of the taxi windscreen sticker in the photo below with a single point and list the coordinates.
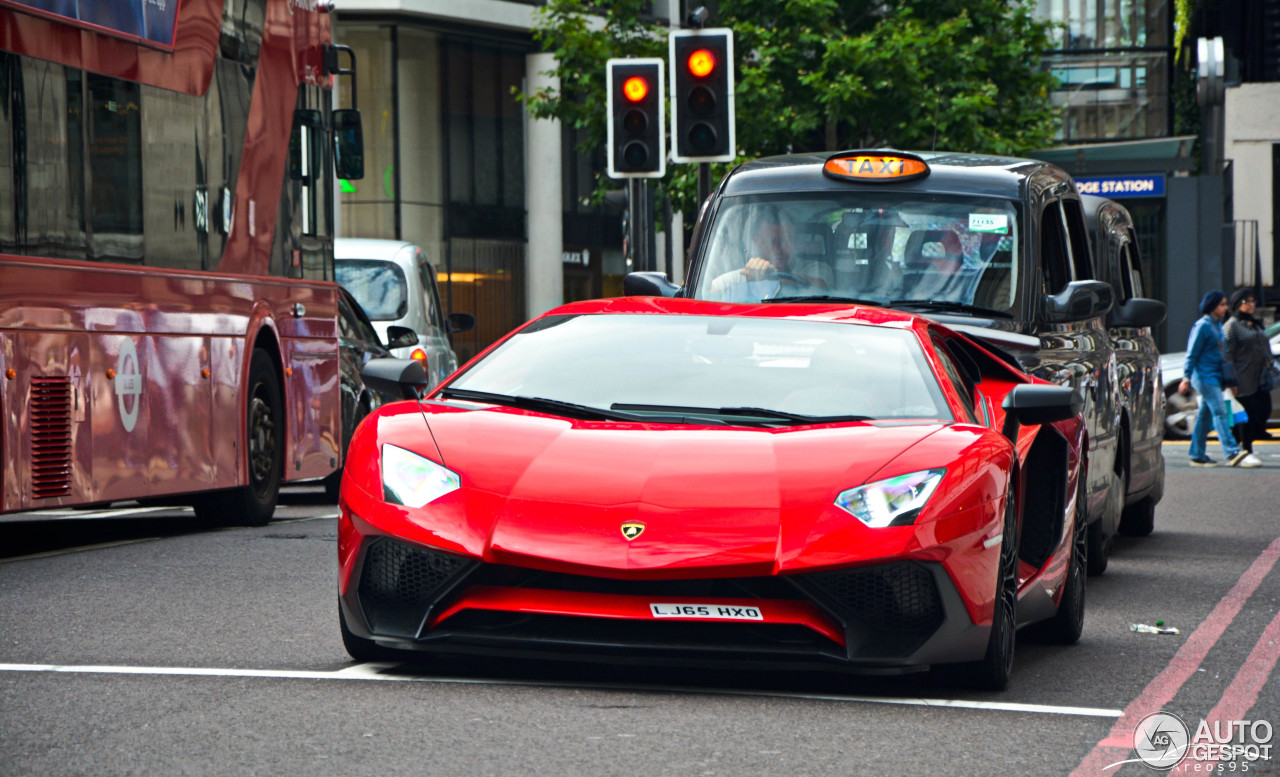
(991, 223)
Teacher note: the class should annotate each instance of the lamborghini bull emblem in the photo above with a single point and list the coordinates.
(632, 529)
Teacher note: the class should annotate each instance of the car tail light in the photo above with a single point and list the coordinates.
(419, 355)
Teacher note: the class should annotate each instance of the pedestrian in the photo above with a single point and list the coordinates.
(1247, 348)
(1206, 371)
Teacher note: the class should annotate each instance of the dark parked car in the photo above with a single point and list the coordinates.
(994, 247)
(1139, 453)
(358, 343)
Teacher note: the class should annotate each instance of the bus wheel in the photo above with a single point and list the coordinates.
(255, 503)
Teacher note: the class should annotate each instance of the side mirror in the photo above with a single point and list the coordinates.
(1080, 300)
(1139, 312)
(648, 284)
(395, 378)
(461, 322)
(1034, 404)
(348, 145)
(401, 337)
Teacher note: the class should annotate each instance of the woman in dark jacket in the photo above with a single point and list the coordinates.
(1248, 350)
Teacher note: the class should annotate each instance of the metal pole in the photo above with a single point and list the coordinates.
(634, 226)
(704, 183)
(650, 231)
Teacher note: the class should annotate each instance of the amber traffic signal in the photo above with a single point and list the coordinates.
(637, 121)
(702, 119)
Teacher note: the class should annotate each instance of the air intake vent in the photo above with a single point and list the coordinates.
(50, 437)
(400, 582)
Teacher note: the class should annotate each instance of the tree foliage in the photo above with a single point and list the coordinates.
(825, 75)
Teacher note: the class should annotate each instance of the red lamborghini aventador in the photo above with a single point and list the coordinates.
(668, 480)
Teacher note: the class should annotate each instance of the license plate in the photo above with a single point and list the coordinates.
(727, 612)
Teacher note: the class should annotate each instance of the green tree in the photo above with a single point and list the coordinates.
(825, 75)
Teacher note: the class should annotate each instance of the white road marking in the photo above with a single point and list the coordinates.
(383, 672)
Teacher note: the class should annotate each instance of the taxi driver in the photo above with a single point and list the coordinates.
(771, 259)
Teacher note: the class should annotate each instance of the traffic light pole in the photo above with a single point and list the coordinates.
(704, 182)
(640, 238)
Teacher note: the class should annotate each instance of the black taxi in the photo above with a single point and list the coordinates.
(995, 247)
(1141, 431)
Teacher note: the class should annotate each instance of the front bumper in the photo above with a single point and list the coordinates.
(889, 617)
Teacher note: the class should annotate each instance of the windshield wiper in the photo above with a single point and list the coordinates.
(827, 298)
(959, 307)
(760, 412)
(554, 406)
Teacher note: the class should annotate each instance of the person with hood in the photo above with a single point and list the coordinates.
(1204, 370)
(1249, 351)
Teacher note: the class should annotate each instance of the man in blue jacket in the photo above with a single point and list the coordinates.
(1204, 370)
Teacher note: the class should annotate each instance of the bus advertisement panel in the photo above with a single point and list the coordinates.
(168, 317)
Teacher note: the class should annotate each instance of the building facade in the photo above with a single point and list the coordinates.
(499, 201)
(1197, 169)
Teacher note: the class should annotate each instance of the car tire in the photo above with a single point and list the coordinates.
(1097, 552)
(255, 503)
(1139, 518)
(1179, 413)
(992, 673)
(1065, 627)
(1098, 538)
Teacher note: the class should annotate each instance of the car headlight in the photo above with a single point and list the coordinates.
(893, 502)
(412, 480)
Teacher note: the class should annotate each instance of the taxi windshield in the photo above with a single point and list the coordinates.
(712, 368)
(880, 247)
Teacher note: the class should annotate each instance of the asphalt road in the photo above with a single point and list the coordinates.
(140, 644)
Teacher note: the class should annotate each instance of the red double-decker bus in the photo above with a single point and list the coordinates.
(168, 321)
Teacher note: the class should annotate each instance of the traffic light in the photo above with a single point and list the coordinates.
(637, 120)
(702, 124)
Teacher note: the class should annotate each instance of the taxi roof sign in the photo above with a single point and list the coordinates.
(875, 167)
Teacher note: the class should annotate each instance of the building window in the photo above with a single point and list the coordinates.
(1113, 68)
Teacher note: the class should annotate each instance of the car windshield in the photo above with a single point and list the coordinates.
(874, 246)
(648, 363)
(378, 286)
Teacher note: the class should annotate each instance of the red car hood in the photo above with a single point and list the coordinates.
(554, 491)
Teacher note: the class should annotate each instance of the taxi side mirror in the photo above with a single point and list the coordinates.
(649, 284)
(1080, 300)
(460, 322)
(1139, 312)
(401, 337)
